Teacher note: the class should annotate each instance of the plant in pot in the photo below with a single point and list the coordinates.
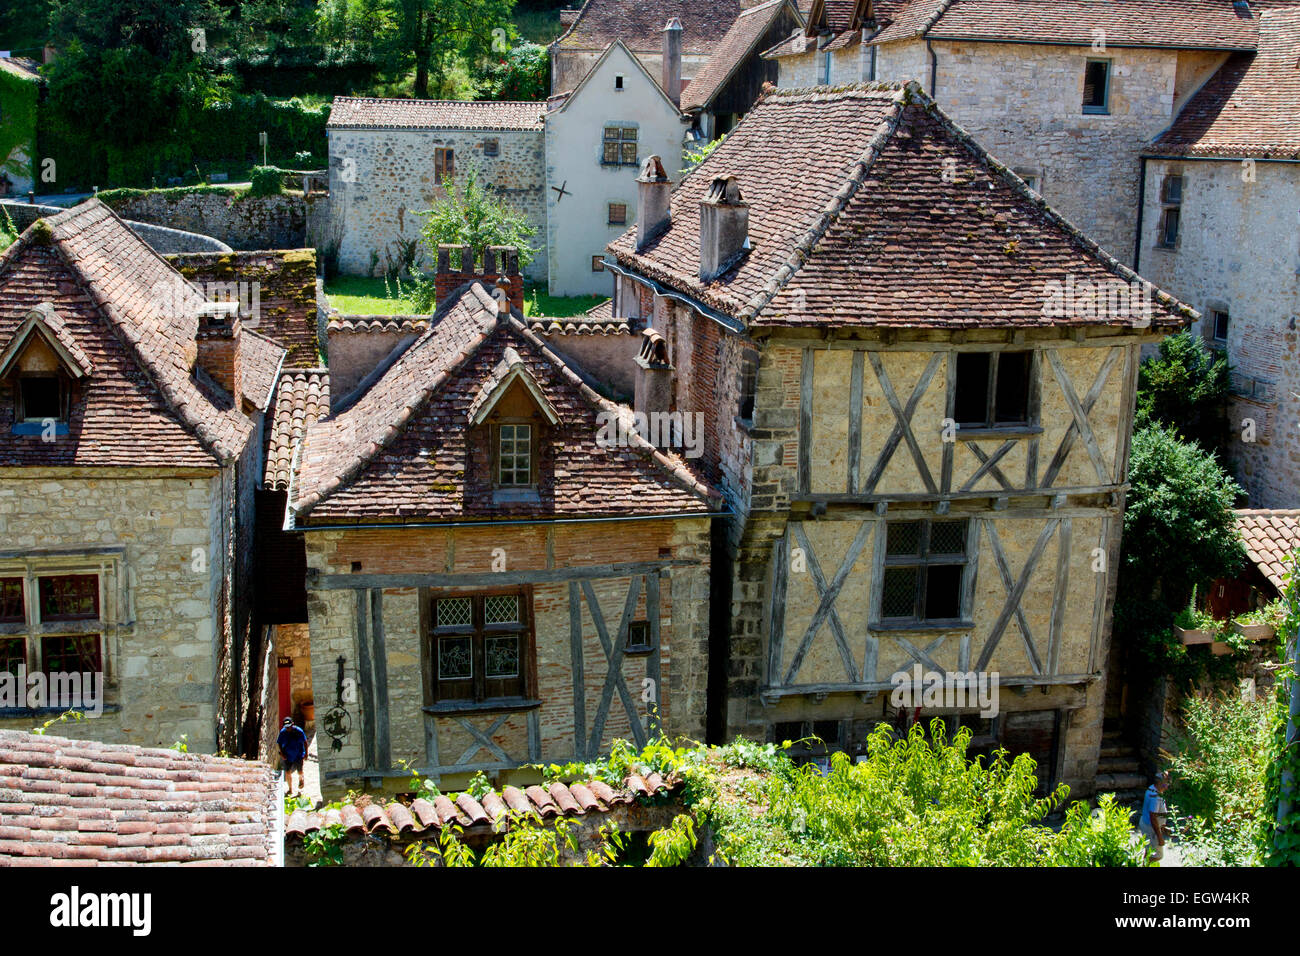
(1195, 626)
(1259, 624)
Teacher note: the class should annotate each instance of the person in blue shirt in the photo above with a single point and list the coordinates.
(293, 751)
(1154, 814)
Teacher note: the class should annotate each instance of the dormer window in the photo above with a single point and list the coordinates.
(513, 411)
(39, 363)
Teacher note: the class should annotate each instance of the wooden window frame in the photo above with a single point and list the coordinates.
(491, 148)
(1104, 108)
(1214, 326)
(1171, 211)
(990, 424)
(36, 627)
(479, 631)
(444, 164)
(609, 214)
(598, 263)
(534, 445)
(923, 560)
(619, 142)
(21, 415)
(635, 648)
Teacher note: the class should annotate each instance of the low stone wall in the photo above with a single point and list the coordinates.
(242, 222)
(161, 239)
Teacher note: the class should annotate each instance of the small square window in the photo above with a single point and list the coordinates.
(618, 82)
(1096, 86)
(515, 455)
(638, 638)
(597, 263)
(491, 147)
(74, 654)
(993, 389)
(617, 214)
(71, 597)
(42, 398)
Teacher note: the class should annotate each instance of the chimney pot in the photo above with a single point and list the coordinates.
(497, 267)
(217, 342)
(724, 227)
(654, 210)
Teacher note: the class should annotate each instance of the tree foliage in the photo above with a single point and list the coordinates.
(1179, 532)
(1186, 387)
(1282, 840)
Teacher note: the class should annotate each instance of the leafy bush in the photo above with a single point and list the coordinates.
(523, 73)
(1219, 768)
(8, 232)
(1281, 844)
(1186, 387)
(266, 181)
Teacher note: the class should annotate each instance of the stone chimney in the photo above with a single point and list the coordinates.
(218, 346)
(724, 227)
(652, 388)
(673, 60)
(493, 266)
(653, 192)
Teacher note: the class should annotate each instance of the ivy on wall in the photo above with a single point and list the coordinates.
(18, 98)
(1283, 847)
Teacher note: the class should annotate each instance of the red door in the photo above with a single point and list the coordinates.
(286, 703)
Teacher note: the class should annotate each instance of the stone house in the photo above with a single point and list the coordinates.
(389, 159)
(596, 138)
(917, 385)
(638, 24)
(497, 573)
(731, 79)
(1220, 227)
(1068, 96)
(130, 450)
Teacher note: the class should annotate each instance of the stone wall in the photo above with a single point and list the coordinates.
(1237, 252)
(357, 348)
(605, 358)
(442, 744)
(162, 595)
(382, 181)
(238, 220)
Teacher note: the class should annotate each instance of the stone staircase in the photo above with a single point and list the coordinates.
(1119, 770)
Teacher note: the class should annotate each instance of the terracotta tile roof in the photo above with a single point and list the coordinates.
(738, 43)
(899, 19)
(355, 112)
(260, 361)
(421, 818)
(402, 452)
(81, 803)
(43, 318)
(598, 320)
(144, 405)
(1251, 106)
(640, 23)
(1270, 537)
(1173, 24)
(840, 23)
(302, 399)
(343, 322)
(851, 222)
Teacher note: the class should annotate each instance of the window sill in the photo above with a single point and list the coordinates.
(38, 428)
(638, 650)
(1007, 431)
(923, 626)
(1096, 111)
(496, 705)
(514, 496)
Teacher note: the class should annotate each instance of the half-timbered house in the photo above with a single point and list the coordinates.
(917, 385)
(498, 574)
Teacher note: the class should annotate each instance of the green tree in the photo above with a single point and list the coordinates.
(1186, 387)
(1179, 532)
(524, 73)
(128, 82)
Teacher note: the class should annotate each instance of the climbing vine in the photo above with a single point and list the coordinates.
(18, 125)
(1283, 841)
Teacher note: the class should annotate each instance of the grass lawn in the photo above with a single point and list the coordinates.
(365, 296)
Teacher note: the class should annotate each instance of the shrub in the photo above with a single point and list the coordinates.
(266, 181)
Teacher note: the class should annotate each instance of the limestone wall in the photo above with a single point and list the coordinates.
(1238, 252)
(443, 744)
(161, 598)
(239, 221)
(381, 181)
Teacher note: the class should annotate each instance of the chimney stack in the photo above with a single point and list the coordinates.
(653, 192)
(496, 266)
(673, 60)
(652, 387)
(724, 227)
(218, 346)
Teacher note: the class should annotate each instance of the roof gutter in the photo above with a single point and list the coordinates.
(726, 321)
(934, 65)
(1142, 205)
(505, 522)
(1088, 43)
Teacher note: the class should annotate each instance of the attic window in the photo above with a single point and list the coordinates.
(42, 397)
(618, 82)
(993, 389)
(1096, 86)
(514, 447)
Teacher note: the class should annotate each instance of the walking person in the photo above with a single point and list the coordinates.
(293, 751)
(1155, 813)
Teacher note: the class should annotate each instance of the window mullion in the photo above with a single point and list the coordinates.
(991, 412)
